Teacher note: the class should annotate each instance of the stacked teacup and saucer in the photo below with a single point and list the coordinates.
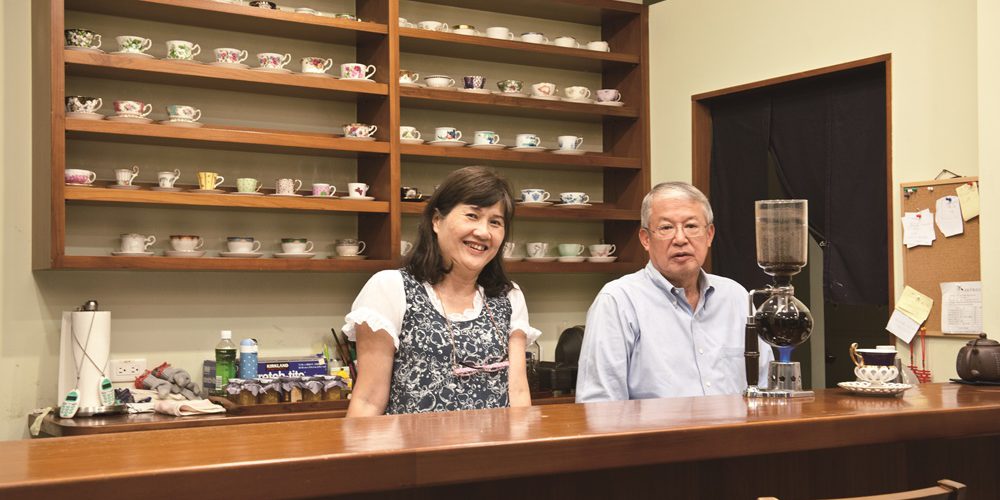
(571, 252)
(124, 178)
(601, 253)
(84, 107)
(179, 115)
(349, 249)
(134, 46)
(876, 371)
(242, 247)
(534, 197)
(185, 245)
(295, 248)
(130, 111)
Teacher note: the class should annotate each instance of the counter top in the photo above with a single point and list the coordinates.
(389, 452)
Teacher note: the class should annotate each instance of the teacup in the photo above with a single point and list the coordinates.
(405, 247)
(287, 186)
(447, 134)
(875, 357)
(356, 71)
(83, 104)
(609, 95)
(527, 141)
(544, 89)
(439, 81)
(408, 132)
(182, 50)
(534, 195)
(242, 244)
(569, 142)
(602, 250)
(599, 45)
(134, 109)
(499, 32)
(186, 242)
(180, 112)
(465, 29)
(248, 185)
(432, 25)
(409, 193)
(407, 76)
(512, 86)
(349, 247)
(537, 249)
(136, 243)
(125, 176)
(346, 15)
(316, 64)
(508, 249)
(296, 245)
(474, 81)
(230, 56)
(570, 249)
(574, 198)
(133, 44)
(484, 137)
(167, 179)
(876, 374)
(209, 180)
(566, 41)
(359, 130)
(273, 60)
(357, 189)
(306, 10)
(79, 176)
(263, 4)
(323, 189)
(78, 37)
(577, 92)
(534, 37)
(404, 23)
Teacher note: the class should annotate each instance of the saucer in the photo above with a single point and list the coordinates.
(292, 195)
(540, 259)
(487, 146)
(573, 205)
(415, 199)
(237, 193)
(189, 61)
(528, 149)
(324, 75)
(511, 94)
(535, 203)
(411, 84)
(476, 91)
(349, 257)
(616, 104)
(358, 79)
(181, 123)
(330, 197)
(282, 255)
(229, 65)
(569, 152)
(449, 143)
(356, 138)
(178, 253)
(83, 49)
(205, 191)
(866, 388)
(83, 115)
(80, 185)
(573, 258)
(282, 71)
(581, 101)
(513, 259)
(545, 97)
(241, 255)
(603, 260)
(129, 119)
(411, 141)
(130, 186)
(441, 88)
(131, 54)
(359, 198)
(166, 190)
(132, 254)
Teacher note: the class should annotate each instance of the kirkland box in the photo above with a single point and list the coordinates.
(271, 368)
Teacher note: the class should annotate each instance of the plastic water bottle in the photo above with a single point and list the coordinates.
(225, 362)
(248, 359)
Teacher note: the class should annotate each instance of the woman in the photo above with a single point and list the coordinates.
(449, 330)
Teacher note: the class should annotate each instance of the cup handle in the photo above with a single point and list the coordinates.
(259, 185)
(201, 243)
(588, 94)
(218, 181)
(135, 173)
(97, 38)
(580, 251)
(371, 130)
(443, 27)
(545, 39)
(459, 137)
(197, 115)
(612, 250)
(362, 249)
(177, 175)
(855, 357)
(298, 185)
(327, 65)
(242, 57)
(92, 177)
(618, 97)
(100, 102)
(149, 242)
(416, 76)
(546, 196)
(496, 139)
(333, 190)
(146, 45)
(416, 134)
(146, 110)
(586, 198)
(370, 71)
(451, 82)
(195, 50)
(256, 246)
(309, 247)
(285, 59)
(579, 141)
(135, 169)
(577, 44)
(510, 35)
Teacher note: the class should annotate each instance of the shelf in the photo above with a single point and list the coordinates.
(572, 11)
(443, 154)
(221, 264)
(98, 194)
(229, 17)
(454, 100)
(596, 213)
(619, 268)
(158, 71)
(508, 51)
(219, 137)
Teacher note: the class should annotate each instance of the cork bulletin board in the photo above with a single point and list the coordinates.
(948, 259)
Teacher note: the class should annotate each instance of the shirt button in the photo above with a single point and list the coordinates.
(701, 351)
(708, 384)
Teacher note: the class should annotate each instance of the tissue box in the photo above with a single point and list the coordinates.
(304, 366)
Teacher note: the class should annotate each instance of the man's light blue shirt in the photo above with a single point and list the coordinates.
(643, 340)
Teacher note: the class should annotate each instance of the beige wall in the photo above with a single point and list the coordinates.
(705, 45)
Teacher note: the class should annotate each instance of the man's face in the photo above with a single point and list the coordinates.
(678, 257)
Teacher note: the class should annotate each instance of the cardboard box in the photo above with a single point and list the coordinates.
(305, 366)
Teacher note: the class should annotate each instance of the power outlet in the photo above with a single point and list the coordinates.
(126, 370)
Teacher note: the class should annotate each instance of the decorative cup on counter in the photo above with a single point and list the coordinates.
(125, 176)
(182, 50)
(349, 247)
(228, 55)
(183, 113)
(357, 189)
(447, 134)
(359, 130)
(574, 198)
(79, 176)
(248, 185)
(132, 109)
(875, 366)
(166, 179)
(209, 180)
(316, 65)
(287, 186)
(537, 249)
(534, 37)
(543, 89)
(432, 26)
(609, 95)
(323, 189)
(486, 137)
(439, 81)
(136, 243)
(83, 104)
(602, 250)
(508, 249)
(599, 45)
(407, 76)
(474, 81)
(133, 44)
(510, 86)
(242, 244)
(408, 132)
(527, 141)
(273, 60)
(577, 92)
(78, 37)
(569, 142)
(499, 32)
(186, 242)
(534, 195)
(356, 71)
(296, 245)
(405, 247)
(409, 193)
(570, 249)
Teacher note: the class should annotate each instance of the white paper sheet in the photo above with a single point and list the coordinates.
(962, 307)
(902, 326)
(948, 216)
(969, 194)
(918, 228)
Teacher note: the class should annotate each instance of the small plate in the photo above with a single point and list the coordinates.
(131, 54)
(358, 198)
(241, 255)
(355, 138)
(411, 141)
(82, 115)
(129, 119)
(535, 203)
(513, 259)
(488, 146)
(129, 187)
(282, 255)
(349, 257)
(540, 259)
(442, 88)
(321, 75)
(206, 191)
(476, 91)
(616, 104)
(166, 190)
(572, 259)
(331, 197)
(177, 253)
(451, 143)
(132, 254)
(603, 260)
(866, 388)
(188, 61)
(181, 123)
(573, 205)
(80, 185)
(411, 84)
(237, 193)
(579, 101)
(293, 195)
(528, 149)
(229, 65)
(83, 49)
(282, 71)
(546, 97)
(510, 94)
(570, 152)
(415, 199)
(358, 79)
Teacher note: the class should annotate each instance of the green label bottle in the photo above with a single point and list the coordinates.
(225, 362)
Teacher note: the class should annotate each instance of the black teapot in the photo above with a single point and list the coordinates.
(979, 360)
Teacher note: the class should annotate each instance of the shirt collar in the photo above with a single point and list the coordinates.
(704, 283)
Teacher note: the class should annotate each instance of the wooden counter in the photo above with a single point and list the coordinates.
(711, 447)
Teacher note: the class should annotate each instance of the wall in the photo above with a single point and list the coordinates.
(705, 45)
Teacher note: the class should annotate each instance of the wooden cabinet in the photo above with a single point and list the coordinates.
(621, 162)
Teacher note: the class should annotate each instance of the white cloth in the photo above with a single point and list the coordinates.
(382, 304)
(186, 408)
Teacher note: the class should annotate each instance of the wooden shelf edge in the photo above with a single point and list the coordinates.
(596, 213)
(145, 196)
(523, 267)
(528, 103)
(515, 45)
(586, 160)
(158, 263)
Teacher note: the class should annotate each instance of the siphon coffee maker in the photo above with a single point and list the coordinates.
(781, 320)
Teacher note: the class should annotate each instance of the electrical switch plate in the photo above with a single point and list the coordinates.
(126, 370)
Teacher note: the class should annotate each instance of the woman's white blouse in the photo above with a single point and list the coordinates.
(382, 304)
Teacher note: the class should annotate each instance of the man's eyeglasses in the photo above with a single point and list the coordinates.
(669, 231)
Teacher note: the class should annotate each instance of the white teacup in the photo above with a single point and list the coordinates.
(537, 249)
(602, 250)
(566, 41)
(186, 242)
(499, 32)
(447, 134)
(182, 50)
(408, 132)
(357, 71)
(287, 186)
(486, 137)
(125, 176)
(527, 141)
(273, 60)
(316, 64)
(599, 45)
(296, 245)
(544, 89)
(508, 249)
(569, 142)
(534, 37)
(357, 189)
(242, 244)
(574, 198)
(439, 81)
(534, 195)
(432, 25)
(228, 55)
(132, 109)
(349, 247)
(79, 176)
(405, 247)
(875, 374)
(133, 44)
(167, 179)
(577, 92)
(136, 243)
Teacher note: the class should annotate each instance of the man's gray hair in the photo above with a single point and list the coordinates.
(675, 190)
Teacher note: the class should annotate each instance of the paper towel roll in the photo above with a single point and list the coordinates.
(81, 324)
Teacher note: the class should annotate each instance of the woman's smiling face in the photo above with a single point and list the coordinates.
(469, 236)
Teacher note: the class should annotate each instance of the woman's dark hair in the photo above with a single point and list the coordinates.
(476, 186)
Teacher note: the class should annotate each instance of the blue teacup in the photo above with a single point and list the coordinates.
(534, 195)
(574, 198)
(474, 82)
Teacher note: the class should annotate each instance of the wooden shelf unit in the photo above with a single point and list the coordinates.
(623, 164)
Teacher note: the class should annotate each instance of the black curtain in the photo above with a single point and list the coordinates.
(827, 136)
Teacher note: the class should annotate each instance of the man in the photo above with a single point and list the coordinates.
(670, 329)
